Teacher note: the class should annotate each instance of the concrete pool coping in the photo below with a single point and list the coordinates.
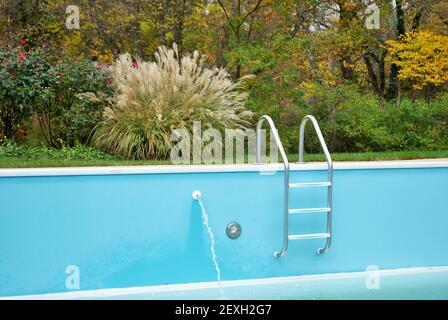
(165, 169)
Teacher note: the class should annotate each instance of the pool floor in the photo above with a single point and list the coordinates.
(413, 283)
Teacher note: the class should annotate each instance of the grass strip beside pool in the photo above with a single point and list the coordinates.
(62, 158)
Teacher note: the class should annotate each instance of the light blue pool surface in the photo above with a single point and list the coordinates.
(124, 229)
(416, 283)
(420, 285)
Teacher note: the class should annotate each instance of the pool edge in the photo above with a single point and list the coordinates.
(117, 292)
(218, 168)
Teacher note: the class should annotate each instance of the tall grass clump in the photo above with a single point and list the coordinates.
(154, 98)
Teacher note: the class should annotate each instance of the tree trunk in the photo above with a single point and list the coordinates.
(345, 17)
(179, 27)
(333, 127)
(162, 18)
(392, 91)
(346, 69)
(377, 78)
(238, 39)
(8, 128)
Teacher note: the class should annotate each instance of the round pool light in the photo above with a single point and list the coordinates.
(233, 230)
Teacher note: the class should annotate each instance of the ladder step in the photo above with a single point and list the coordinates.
(309, 236)
(309, 210)
(310, 184)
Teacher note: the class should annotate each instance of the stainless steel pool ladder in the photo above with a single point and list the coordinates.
(286, 185)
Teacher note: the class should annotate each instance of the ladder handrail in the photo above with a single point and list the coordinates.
(286, 176)
(330, 172)
(319, 136)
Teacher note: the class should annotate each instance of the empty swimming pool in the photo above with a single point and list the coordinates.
(136, 232)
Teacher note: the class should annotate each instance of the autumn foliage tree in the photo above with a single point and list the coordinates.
(324, 57)
(422, 58)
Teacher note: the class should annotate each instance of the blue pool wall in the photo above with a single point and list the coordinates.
(125, 230)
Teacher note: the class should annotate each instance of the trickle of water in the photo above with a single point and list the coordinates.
(212, 245)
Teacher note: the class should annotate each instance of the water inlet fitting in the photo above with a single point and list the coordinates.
(196, 195)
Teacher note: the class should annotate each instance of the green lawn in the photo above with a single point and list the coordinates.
(56, 160)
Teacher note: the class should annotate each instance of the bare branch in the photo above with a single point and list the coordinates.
(227, 17)
(236, 29)
(257, 6)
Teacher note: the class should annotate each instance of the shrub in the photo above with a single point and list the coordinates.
(23, 76)
(350, 121)
(153, 98)
(418, 126)
(354, 122)
(77, 152)
(360, 126)
(278, 95)
(73, 102)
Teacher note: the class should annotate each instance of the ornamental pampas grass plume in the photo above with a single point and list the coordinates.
(154, 98)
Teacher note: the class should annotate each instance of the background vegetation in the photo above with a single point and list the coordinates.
(372, 90)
